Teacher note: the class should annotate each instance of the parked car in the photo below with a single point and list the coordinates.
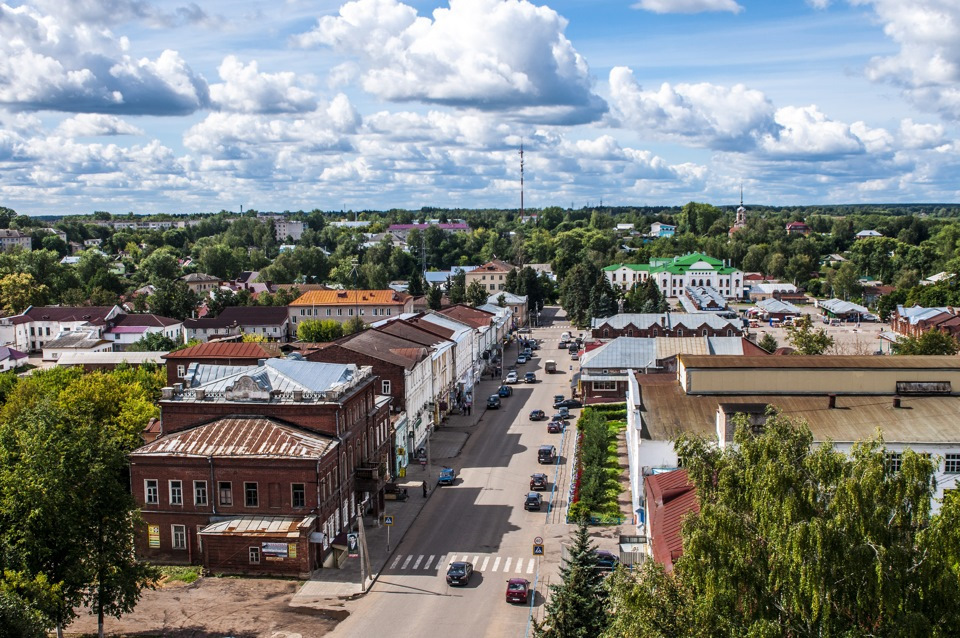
(512, 377)
(557, 398)
(530, 377)
(550, 366)
(521, 359)
(534, 345)
(572, 348)
(538, 415)
(493, 402)
(606, 561)
(546, 454)
(538, 481)
(459, 573)
(574, 356)
(533, 502)
(555, 427)
(561, 418)
(527, 352)
(447, 476)
(505, 391)
(564, 412)
(568, 403)
(518, 590)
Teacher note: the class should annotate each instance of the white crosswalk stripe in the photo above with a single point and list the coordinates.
(416, 565)
(530, 567)
(407, 562)
(519, 565)
(395, 562)
(429, 560)
(486, 559)
(506, 565)
(496, 563)
(481, 562)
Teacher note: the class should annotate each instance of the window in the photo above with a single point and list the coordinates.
(951, 464)
(179, 534)
(298, 495)
(225, 489)
(893, 461)
(350, 311)
(329, 311)
(181, 370)
(604, 386)
(250, 498)
(385, 386)
(254, 555)
(176, 492)
(339, 312)
(200, 493)
(606, 333)
(150, 492)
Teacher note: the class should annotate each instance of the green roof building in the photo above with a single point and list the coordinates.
(674, 274)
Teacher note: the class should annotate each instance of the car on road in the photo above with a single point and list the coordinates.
(538, 415)
(568, 403)
(521, 360)
(555, 427)
(447, 476)
(557, 398)
(518, 590)
(533, 502)
(512, 377)
(572, 348)
(493, 402)
(574, 356)
(550, 366)
(530, 377)
(564, 412)
(538, 481)
(534, 344)
(606, 561)
(546, 454)
(527, 352)
(459, 573)
(504, 391)
(524, 330)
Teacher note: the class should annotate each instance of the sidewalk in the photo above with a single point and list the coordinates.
(330, 587)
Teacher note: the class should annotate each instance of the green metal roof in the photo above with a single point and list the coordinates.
(678, 265)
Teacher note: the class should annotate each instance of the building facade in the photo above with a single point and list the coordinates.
(342, 305)
(674, 275)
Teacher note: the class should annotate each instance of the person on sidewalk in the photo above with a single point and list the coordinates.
(424, 485)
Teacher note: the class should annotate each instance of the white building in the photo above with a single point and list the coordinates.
(673, 275)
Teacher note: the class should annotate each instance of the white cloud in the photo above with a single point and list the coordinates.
(927, 66)
(246, 90)
(95, 125)
(916, 135)
(875, 140)
(703, 114)
(808, 134)
(50, 63)
(105, 12)
(480, 54)
(688, 6)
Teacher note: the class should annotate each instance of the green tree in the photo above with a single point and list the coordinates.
(319, 331)
(795, 539)
(173, 299)
(603, 298)
(353, 325)
(768, 342)
(807, 340)
(152, 342)
(931, 342)
(575, 294)
(416, 284)
(434, 297)
(476, 294)
(19, 291)
(576, 607)
(458, 287)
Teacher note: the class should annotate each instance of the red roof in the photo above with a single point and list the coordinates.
(222, 349)
(95, 315)
(466, 314)
(670, 498)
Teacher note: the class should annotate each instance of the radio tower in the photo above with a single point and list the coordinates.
(521, 178)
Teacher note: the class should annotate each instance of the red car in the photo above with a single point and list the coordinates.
(555, 427)
(518, 589)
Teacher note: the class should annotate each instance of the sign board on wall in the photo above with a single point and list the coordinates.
(274, 550)
(153, 533)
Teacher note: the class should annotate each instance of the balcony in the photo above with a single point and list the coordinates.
(370, 478)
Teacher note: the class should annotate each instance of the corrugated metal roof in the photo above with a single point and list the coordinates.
(81, 340)
(227, 349)
(671, 497)
(240, 437)
(289, 526)
(777, 306)
(644, 352)
(819, 362)
(281, 375)
(667, 320)
(382, 345)
(351, 298)
(839, 306)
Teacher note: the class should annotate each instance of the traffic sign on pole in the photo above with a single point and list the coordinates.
(538, 541)
(388, 520)
(538, 550)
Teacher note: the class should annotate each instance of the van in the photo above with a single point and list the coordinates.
(550, 366)
(565, 336)
(546, 454)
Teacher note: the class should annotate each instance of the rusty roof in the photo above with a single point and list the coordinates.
(227, 349)
(466, 314)
(288, 526)
(240, 436)
(670, 498)
(820, 362)
(411, 333)
(351, 298)
(379, 345)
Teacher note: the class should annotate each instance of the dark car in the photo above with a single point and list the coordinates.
(518, 589)
(557, 398)
(568, 403)
(528, 352)
(538, 415)
(572, 348)
(555, 427)
(546, 454)
(538, 481)
(493, 402)
(505, 391)
(533, 501)
(459, 573)
(606, 561)
(560, 417)
(530, 377)
(447, 476)
(534, 345)
(564, 412)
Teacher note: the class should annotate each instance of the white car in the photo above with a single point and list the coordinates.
(512, 377)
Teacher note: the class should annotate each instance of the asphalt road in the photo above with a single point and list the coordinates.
(481, 519)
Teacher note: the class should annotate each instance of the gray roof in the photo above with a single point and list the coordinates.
(916, 314)
(508, 296)
(110, 358)
(283, 375)
(839, 306)
(668, 320)
(80, 340)
(644, 352)
(777, 306)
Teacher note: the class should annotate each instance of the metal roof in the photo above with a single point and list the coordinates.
(289, 526)
(351, 298)
(281, 375)
(841, 307)
(667, 320)
(240, 437)
(644, 352)
(81, 340)
(227, 350)
(109, 358)
(777, 306)
(820, 362)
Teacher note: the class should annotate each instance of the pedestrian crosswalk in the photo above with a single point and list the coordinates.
(489, 563)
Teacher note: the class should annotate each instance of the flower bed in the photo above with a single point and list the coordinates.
(595, 489)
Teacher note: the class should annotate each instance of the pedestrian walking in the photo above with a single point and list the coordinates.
(424, 485)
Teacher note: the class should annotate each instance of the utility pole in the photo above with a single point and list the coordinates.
(521, 178)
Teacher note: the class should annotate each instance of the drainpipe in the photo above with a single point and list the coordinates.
(214, 490)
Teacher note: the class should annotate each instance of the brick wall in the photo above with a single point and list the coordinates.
(172, 364)
(607, 332)
(381, 369)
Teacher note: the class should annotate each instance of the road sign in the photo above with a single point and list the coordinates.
(538, 550)
(538, 541)
(387, 520)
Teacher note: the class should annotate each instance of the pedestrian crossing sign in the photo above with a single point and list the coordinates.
(538, 550)
(388, 520)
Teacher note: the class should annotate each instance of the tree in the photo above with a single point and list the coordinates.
(434, 297)
(930, 342)
(796, 539)
(253, 337)
(173, 299)
(576, 607)
(806, 340)
(415, 284)
(476, 294)
(152, 342)
(457, 287)
(354, 325)
(768, 342)
(319, 331)
(19, 291)
(603, 298)
(575, 294)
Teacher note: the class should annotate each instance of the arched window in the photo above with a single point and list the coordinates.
(704, 332)
(679, 332)
(606, 333)
(729, 332)
(630, 332)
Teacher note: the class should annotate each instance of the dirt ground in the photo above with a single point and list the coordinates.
(848, 338)
(215, 608)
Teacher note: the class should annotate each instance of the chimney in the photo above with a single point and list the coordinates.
(261, 362)
(298, 395)
(201, 394)
(177, 388)
(166, 393)
(832, 401)
(896, 401)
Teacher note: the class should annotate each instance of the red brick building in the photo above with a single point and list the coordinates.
(665, 324)
(262, 469)
(224, 353)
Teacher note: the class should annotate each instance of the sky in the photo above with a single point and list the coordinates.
(172, 106)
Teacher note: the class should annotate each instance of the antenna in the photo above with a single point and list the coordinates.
(521, 178)
(741, 192)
